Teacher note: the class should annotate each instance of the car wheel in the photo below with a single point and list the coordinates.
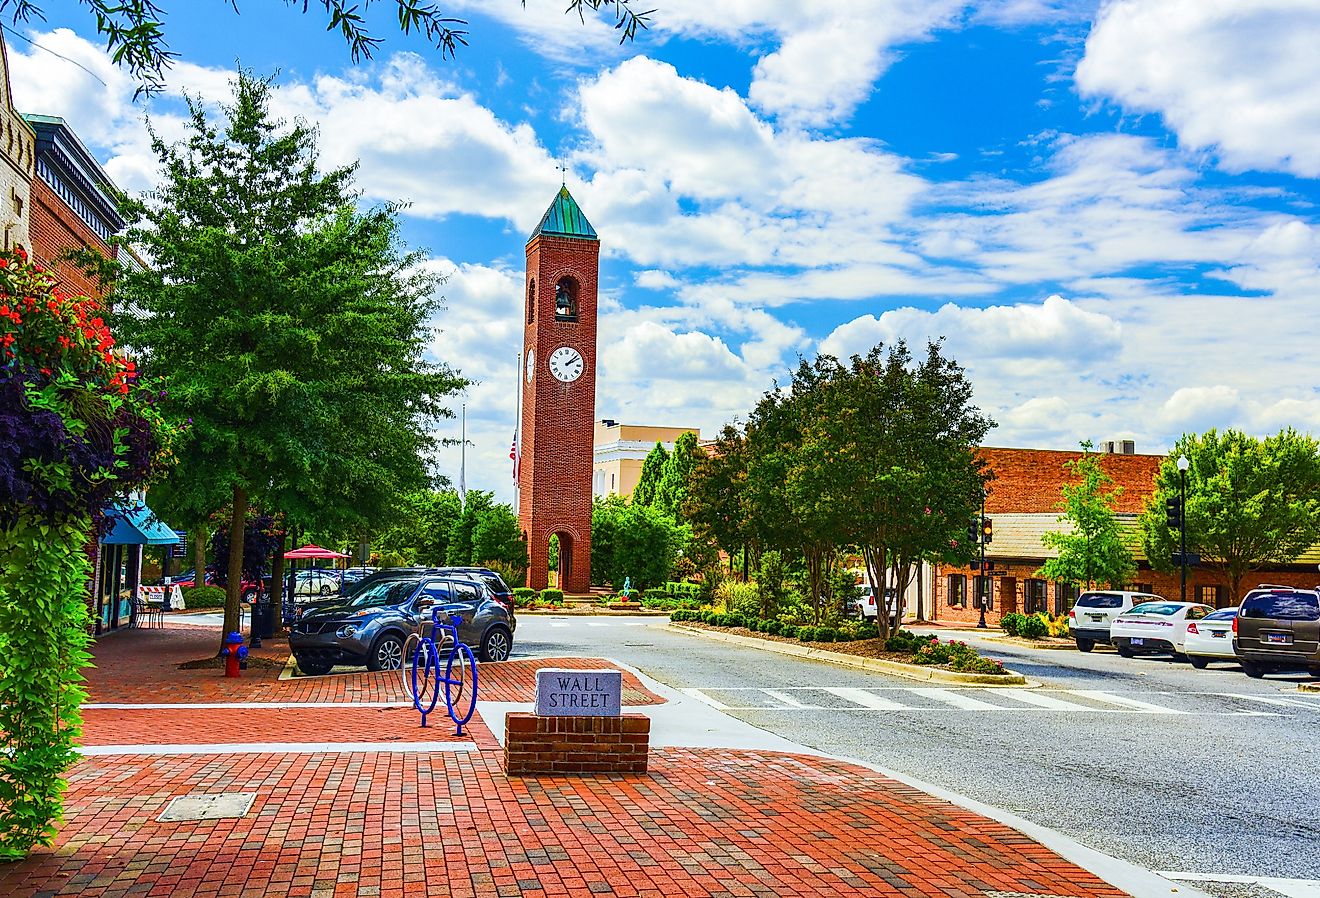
(1124, 651)
(312, 668)
(386, 654)
(325, 590)
(496, 645)
(1085, 645)
(1198, 662)
(1179, 657)
(1252, 669)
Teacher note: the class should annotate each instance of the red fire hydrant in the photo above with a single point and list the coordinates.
(235, 654)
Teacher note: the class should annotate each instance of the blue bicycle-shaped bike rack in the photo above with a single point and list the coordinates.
(458, 681)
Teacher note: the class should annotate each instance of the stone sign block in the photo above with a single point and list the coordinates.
(578, 693)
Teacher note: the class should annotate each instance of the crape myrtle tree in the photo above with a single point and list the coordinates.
(898, 440)
(288, 326)
(78, 429)
(1251, 503)
(1093, 549)
(135, 31)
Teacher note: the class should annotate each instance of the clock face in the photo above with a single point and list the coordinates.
(531, 364)
(566, 364)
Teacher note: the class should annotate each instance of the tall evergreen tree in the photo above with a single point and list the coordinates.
(676, 477)
(653, 469)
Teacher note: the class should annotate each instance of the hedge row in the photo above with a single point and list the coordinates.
(778, 628)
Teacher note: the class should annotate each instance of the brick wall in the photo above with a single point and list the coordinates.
(535, 744)
(56, 229)
(1028, 480)
(558, 419)
(18, 161)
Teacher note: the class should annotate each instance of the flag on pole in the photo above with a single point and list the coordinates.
(513, 454)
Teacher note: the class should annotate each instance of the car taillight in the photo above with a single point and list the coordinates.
(1191, 628)
(1073, 613)
(1235, 626)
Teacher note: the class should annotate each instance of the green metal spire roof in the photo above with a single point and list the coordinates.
(564, 218)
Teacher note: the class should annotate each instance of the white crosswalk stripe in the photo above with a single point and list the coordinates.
(957, 700)
(789, 701)
(865, 699)
(1041, 700)
(1136, 704)
(1278, 702)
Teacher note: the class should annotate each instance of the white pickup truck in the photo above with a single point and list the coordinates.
(865, 606)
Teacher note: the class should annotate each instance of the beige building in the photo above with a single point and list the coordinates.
(620, 450)
(18, 147)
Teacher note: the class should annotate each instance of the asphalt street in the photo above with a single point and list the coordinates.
(1147, 760)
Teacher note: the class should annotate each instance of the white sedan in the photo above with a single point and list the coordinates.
(1155, 628)
(1211, 638)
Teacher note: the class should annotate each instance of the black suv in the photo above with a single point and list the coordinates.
(1278, 628)
(371, 626)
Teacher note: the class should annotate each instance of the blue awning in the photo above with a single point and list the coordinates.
(137, 525)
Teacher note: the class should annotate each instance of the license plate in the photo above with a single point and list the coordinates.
(1136, 642)
(1218, 634)
(1096, 617)
(1279, 638)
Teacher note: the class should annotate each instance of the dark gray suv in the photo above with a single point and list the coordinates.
(1278, 628)
(372, 626)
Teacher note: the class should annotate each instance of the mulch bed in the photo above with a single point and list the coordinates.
(218, 663)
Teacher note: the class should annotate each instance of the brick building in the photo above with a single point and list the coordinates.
(17, 168)
(72, 207)
(1023, 505)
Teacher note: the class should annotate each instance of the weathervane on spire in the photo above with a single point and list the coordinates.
(563, 174)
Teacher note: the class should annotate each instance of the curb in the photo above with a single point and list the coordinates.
(877, 665)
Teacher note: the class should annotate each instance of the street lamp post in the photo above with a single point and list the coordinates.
(1183, 465)
(981, 579)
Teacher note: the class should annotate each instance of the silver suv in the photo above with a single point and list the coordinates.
(1278, 628)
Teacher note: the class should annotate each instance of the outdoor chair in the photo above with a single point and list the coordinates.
(148, 614)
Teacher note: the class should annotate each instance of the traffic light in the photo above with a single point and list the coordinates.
(973, 533)
(1173, 513)
(987, 530)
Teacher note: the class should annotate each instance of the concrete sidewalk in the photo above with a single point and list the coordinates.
(403, 811)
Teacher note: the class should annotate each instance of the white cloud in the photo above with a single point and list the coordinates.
(1193, 409)
(1237, 76)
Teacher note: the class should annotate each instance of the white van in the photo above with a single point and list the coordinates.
(1090, 619)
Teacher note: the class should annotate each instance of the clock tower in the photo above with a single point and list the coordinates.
(559, 394)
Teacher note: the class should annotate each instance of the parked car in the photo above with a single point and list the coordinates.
(1155, 628)
(1210, 638)
(865, 607)
(494, 582)
(371, 628)
(316, 582)
(354, 575)
(1278, 628)
(188, 579)
(1094, 612)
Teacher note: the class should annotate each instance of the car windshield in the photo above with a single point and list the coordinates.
(384, 592)
(1223, 614)
(1100, 600)
(1165, 608)
(1283, 606)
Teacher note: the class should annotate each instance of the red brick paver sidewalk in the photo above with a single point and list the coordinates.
(703, 822)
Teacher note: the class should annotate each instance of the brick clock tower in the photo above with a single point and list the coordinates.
(559, 394)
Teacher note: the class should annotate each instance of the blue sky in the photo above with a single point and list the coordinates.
(1108, 209)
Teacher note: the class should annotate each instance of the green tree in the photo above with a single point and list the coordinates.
(677, 476)
(717, 506)
(135, 31)
(653, 469)
(288, 326)
(1251, 503)
(1092, 549)
(498, 541)
(771, 586)
(639, 542)
(420, 525)
(460, 549)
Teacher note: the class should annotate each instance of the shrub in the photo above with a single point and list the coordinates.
(790, 631)
(654, 595)
(204, 597)
(735, 620)
(1055, 625)
(1011, 623)
(1031, 627)
(739, 598)
(903, 641)
(552, 596)
(773, 627)
(523, 597)
(807, 634)
(827, 634)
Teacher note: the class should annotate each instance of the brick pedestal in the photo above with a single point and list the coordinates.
(535, 744)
